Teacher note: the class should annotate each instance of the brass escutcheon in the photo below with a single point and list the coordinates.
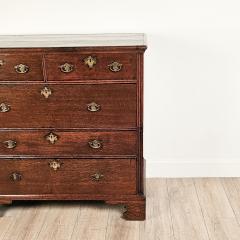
(115, 67)
(66, 68)
(97, 176)
(4, 108)
(52, 138)
(90, 61)
(93, 107)
(46, 92)
(55, 165)
(95, 144)
(15, 177)
(21, 68)
(10, 144)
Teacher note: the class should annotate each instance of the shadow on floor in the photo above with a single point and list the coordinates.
(82, 203)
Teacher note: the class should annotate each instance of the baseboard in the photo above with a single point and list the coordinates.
(199, 168)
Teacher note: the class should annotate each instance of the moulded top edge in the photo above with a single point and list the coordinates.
(73, 40)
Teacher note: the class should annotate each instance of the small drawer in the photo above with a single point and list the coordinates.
(67, 176)
(60, 143)
(21, 67)
(68, 106)
(92, 66)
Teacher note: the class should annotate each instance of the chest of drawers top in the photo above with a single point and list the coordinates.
(74, 40)
(52, 58)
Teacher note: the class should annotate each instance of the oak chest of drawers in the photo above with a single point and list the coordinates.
(71, 119)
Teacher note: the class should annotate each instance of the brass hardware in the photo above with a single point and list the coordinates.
(90, 61)
(115, 66)
(4, 107)
(52, 138)
(93, 107)
(66, 68)
(1, 63)
(16, 177)
(55, 165)
(46, 92)
(21, 68)
(97, 176)
(95, 144)
(10, 144)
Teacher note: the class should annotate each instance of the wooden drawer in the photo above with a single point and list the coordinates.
(105, 66)
(21, 67)
(74, 176)
(68, 106)
(59, 143)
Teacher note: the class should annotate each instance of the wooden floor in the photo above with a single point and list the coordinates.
(177, 209)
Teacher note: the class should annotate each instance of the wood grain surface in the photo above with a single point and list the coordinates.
(26, 169)
(66, 107)
(68, 143)
(99, 71)
(73, 177)
(9, 61)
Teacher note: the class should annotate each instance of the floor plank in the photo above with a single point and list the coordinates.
(158, 224)
(91, 221)
(177, 209)
(232, 189)
(218, 214)
(186, 213)
(36, 222)
(118, 228)
(8, 217)
(60, 221)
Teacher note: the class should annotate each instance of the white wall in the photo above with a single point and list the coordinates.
(192, 76)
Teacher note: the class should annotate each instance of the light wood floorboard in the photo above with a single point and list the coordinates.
(60, 221)
(217, 211)
(91, 223)
(232, 189)
(118, 228)
(177, 209)
(186, 214)
(8, 218)
(158, 225)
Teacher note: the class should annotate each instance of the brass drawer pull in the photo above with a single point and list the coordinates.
(66, 68)
(1, 63)
(4, 108)
(10, 144)
(95, 144)
(52, 138)
(16, 177)
(115, 67)
(90, 61)
(55, 165)
(97, 176)
(93, 107)
(46, 92)
(21, 68)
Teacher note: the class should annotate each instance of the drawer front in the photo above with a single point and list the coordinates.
(67, 176)
(70, 67)
(21, 67)
(68, 106)
(59, 143)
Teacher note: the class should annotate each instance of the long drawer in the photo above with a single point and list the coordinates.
(67, 176)
(68, 106)
(60, 143)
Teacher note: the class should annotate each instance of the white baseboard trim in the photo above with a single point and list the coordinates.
(193, 169)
